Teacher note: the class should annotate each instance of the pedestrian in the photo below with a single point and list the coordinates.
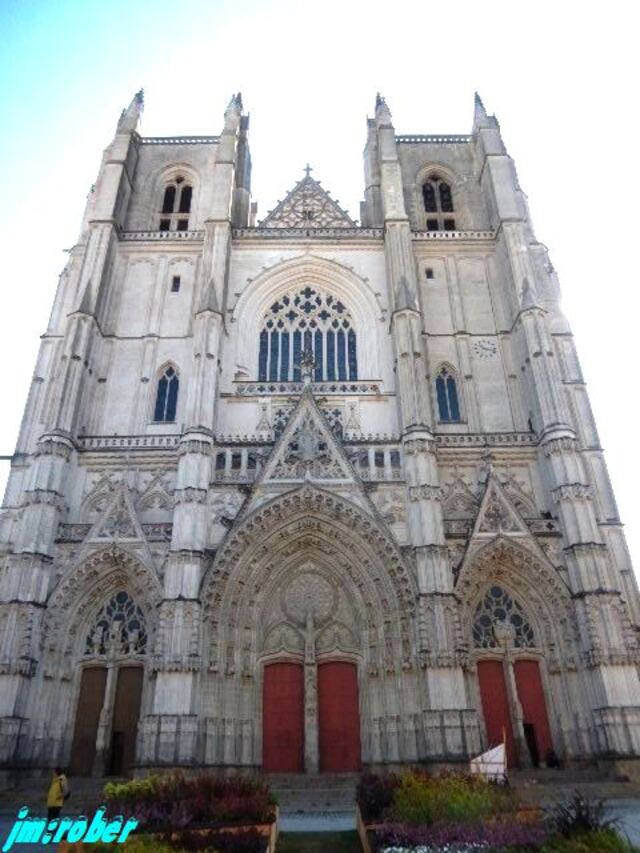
(58, 792)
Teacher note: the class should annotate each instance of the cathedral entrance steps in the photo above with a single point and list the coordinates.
(315, 794)
(545, 785)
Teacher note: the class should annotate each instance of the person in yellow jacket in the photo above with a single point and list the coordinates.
(57, 793)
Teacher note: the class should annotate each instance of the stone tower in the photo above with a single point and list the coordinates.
(307, 495)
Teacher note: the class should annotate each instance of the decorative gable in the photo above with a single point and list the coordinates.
(307, 449)
(118, 520)
(308, 205)
(497, 514)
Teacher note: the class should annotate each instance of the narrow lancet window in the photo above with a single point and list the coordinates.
(447, 397)
(167, 397)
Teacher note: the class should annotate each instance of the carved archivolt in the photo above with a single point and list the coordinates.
(531, 581)
(78, 597)
(308, 568)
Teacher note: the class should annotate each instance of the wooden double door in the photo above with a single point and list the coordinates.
(283, 715)
(108, 710)
(498, 710)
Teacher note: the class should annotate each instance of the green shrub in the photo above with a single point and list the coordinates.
(580, 815)
(450, 798)
(598, 841)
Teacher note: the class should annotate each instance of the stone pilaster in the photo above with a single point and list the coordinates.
(437, 609)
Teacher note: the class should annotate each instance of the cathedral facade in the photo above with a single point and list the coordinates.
(310, 494)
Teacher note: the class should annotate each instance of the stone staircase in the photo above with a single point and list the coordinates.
(546, 785)
(315, 802)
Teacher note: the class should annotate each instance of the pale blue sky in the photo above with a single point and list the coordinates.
(562, 79)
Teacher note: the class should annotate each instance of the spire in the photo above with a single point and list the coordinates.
(130, 117)
(383, 113)
(480, 117)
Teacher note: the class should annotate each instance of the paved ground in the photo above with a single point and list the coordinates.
(627, 813)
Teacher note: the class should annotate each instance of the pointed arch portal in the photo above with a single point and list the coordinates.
(330, 602)
(519, 617)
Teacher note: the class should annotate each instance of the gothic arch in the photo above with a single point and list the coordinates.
(456, 184)
(77, 598)
(312, 545)
(535, 585)
(330, 276)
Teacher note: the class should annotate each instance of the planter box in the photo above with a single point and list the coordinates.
(267, 830)
(363, 828)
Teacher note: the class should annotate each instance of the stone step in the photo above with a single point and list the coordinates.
(327, 799)
(309, 781)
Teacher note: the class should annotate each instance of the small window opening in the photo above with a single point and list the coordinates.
(221, 461)
(165, 224)
(236, 461)
(175, 284)
(183, 225)
(429, 272)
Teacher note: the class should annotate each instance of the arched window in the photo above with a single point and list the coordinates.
(447, 396)
(119, 627)
(176, 206)
(499, 612)
(167, 397)
(307, 319)
(438, 203)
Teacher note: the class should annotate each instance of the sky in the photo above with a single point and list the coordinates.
(561, 77)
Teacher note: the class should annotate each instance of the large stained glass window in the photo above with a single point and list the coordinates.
(307, 319)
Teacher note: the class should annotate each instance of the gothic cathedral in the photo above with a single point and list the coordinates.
(308, 494)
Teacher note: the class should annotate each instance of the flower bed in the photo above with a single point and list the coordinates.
(459, 813)
(202, 812)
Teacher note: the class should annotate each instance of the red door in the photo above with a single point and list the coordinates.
(534, 709)
(495, 706)
(338, 717)
(283, 718)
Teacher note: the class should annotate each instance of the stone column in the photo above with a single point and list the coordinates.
(311, 751)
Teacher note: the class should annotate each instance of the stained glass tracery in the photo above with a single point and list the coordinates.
(307, 319)
(119, 626)
(499, 608)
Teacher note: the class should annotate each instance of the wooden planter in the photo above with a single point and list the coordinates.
(363, 828)
(267, 830)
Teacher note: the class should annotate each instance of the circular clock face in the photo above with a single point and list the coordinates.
(485, 348)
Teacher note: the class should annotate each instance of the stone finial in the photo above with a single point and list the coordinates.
(130, 117)
(481, 119)
(234, 107)
(383, 113)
